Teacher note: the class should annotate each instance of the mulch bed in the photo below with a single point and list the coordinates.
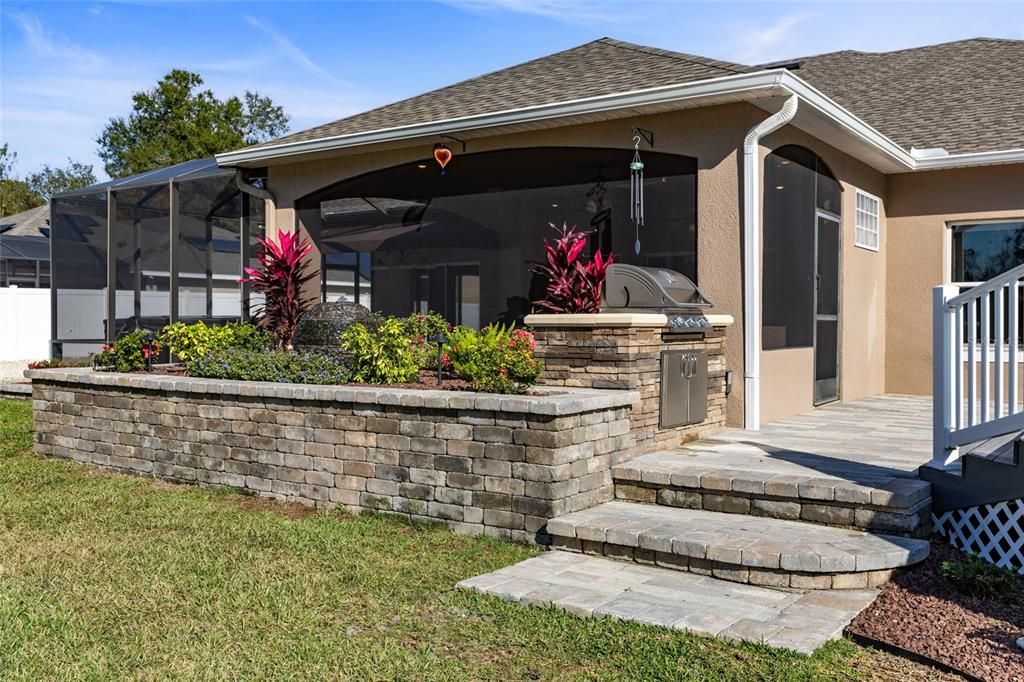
(921, 612)
(427, 379)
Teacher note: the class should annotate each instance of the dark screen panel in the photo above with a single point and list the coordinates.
(796, 185)
(462, 243)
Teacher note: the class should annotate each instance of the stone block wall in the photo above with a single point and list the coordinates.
(624, 352)
(501, 465)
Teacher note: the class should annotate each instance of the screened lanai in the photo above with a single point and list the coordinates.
(148, 250)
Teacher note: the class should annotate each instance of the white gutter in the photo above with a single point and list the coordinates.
(752, 260)
(727, 85)
(741, 86)
(972, 159)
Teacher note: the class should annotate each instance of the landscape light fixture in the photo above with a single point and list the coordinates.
(440, 339)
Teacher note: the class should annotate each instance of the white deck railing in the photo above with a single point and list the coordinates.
(976, 339)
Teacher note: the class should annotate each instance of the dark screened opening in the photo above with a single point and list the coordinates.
(410, 239)
(171, 255)
(797, 184)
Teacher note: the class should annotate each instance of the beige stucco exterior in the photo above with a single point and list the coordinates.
(921, 207)
(884, 343)
(712, 135)
(787, 375)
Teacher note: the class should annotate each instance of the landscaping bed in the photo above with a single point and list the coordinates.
(105, 576)
(922, 612)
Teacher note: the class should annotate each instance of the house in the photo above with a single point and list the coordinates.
(25, 248)
(817, 201)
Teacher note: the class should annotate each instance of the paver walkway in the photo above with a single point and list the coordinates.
(593, 586)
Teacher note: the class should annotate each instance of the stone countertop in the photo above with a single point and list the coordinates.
(555, 401)
(614, 319)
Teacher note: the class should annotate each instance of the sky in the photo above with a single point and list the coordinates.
(66, 68)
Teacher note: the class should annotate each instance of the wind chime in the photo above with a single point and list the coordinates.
(636, 182)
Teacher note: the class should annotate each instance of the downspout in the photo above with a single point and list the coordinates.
(260, 193)
(255, 191)
(752, 260)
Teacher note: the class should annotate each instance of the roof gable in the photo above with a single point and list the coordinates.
(30, 223)
(601, 67)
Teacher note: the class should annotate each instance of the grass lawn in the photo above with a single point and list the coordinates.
(113, 577)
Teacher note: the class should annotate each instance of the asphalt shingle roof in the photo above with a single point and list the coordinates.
(965, 96)
(30, 223)
(601, 67)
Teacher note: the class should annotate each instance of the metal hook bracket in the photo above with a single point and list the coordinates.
(445, 136)
(642, 134)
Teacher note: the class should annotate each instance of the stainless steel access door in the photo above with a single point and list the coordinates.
(684, 387)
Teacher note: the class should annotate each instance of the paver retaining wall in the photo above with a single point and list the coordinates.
(483, 463)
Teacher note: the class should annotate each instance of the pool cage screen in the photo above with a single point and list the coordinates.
(148, 250)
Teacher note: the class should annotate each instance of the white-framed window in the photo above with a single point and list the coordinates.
(983, 249)
(867, 230)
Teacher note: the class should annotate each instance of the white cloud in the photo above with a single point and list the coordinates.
(767, 43)
(44, 44)
(291, 50)
(605, 13)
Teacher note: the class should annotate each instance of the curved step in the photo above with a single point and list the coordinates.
(748, 549)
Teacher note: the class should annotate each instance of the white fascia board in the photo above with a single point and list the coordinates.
(716, 87)
(747, 85)
(973, 159)
(815, 99)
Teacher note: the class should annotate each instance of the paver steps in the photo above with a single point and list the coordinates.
(595, 586)
(872, 500)
(746, 549)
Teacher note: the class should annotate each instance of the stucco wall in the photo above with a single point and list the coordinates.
(787, 375)
(920, 207)
(712, 136)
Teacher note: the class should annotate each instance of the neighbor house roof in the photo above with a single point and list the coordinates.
(600, 67)
(966, 96)
(35, 222)
(963, 96)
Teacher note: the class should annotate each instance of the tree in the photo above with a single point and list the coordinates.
(51, 180)
(177, 121)
(15, 195)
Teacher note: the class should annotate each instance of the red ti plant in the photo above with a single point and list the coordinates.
(574, 285)
(281, 274)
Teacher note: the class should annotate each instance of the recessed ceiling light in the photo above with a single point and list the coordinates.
(421, 166)
(780, 187)
(554, 205)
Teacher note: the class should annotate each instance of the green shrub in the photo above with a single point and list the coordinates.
(192, 341)
(279, 366)
(381, 355)
(497, 359)
(978, 578)
(129, 353)
(420, 328)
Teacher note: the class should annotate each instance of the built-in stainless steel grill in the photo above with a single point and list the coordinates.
(684, 373)
(637, 288)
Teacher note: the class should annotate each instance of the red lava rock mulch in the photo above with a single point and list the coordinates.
(920, 611)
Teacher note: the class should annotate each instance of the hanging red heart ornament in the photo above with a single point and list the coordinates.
(442, 155)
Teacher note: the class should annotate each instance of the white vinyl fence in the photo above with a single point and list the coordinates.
(24, 324)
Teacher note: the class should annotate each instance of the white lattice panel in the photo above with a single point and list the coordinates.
(995, 532)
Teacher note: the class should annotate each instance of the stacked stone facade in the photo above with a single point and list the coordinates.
(603, 356)
(500, 465)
